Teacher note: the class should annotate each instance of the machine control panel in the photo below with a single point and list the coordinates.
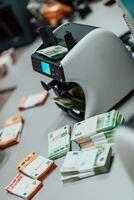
(49, 69)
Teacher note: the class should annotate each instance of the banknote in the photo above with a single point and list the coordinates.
(54, 52)
(59, 142)
(72, 104)
(94, 161)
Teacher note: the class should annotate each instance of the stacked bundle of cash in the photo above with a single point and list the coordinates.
(98, 139)
(23, 186)
(33, 100)
(82, 164)
(17, 118)
(54, 52)
(59, 142)
(11, 132)
(36, 166)
(97, 130)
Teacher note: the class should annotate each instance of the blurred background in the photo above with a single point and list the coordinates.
(20, 20)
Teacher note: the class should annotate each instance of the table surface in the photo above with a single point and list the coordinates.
(40, 121)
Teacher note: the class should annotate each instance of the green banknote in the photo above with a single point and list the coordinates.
(77, 93)
(109, 120)
(59, 142)
(70, 103)
(54, 52)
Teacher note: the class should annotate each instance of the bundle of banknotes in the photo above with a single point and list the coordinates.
(59, 142)
(81, 164)
(36, 166)
(33, 169)
(23, 186)
(11, 132)
(7, 59)
(73, 100)
(54, 52)
(33, 100)
(97, 130)
(71, 104)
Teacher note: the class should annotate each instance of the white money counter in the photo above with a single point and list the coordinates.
(41, 120)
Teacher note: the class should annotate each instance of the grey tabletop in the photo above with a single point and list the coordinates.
(39, 122)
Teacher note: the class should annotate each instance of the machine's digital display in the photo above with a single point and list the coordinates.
(45, 68)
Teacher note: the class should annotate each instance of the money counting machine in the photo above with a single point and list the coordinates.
(97, 61)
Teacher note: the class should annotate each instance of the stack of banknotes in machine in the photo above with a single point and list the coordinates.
(81, 164)
(59, 142)
(73, 100)
(54, 52)
(97, 130)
